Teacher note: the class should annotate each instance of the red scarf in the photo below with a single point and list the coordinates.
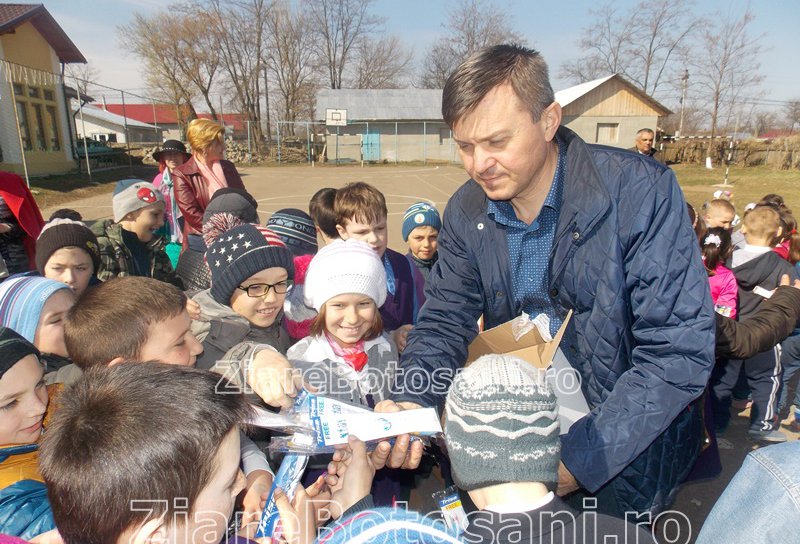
(354, 356)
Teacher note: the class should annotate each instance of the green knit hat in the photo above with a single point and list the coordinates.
(502, 424)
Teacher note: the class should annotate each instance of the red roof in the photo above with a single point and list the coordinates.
(776, 133)
(166, 114)
(15, 15)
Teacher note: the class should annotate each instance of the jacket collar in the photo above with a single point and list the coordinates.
(190, 167)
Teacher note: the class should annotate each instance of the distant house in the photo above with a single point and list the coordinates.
(171, 120)
(36, 126)
(609, 111)
(406, 124)
(105, 126)
(393, 125)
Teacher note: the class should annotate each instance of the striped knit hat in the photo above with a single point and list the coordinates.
(22, 300)
(502, 424)
(296, 229)
(420, 214)
(13, 347)
(242, 252)
(60, 233)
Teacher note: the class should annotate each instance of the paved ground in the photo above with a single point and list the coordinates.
(284, 187)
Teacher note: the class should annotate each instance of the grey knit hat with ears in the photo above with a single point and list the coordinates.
(502, 424)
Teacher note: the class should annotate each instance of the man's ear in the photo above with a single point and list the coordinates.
(116, 361)
(342, 232)
(552, 118)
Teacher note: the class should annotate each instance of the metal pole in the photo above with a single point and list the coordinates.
(83, 129)
(395, 142)
(685, 80)
(308, 144)
(337, 145)
(155, 122)
(249, 150)
(279, 142)
(424, 142)
(127, 135)
(451, 146)
(19, 135)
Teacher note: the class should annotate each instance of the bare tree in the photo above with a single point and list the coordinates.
(640, 45)
(792, 113)
(153, 39)
(241, 31)
(340, 24)
(728, 69)
(471, 25)
(383, 63)
(82, 76)
(292, 61)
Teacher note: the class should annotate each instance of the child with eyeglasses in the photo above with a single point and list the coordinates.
(251, 272)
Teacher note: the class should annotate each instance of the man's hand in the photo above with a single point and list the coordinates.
(400, 337)
(274, 379)
(566, 481)
(4, 228)
(786, 282)
(350, 475)
(256, 492)
(400, 455)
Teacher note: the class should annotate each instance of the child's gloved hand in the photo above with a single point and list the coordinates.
(273, 378)
(350, 475)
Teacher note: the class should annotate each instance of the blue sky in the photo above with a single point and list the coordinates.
(552, 27)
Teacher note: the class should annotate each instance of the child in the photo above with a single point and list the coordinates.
(758, 270)
(346, 284)
(24, 509)
(128, 244)
(421, 226)
(502, 434)
(144, 453)
(20, 225)
(787, 245)
(361, 214)
(321, 210)
(296, 229)
(719, 213)
(67, 251)
(158, 328)
(716, 248)
(35, 308)
(171, 155)
(251, 272)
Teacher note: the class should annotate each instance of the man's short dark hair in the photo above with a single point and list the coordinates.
(320, 208)
(643, 130)
(134, 432)
(113, 319)
(524, 69)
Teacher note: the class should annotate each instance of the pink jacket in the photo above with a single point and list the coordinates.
(724, 291)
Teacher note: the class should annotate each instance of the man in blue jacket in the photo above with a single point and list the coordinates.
(549, 224)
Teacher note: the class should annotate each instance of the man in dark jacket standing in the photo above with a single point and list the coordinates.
(549, 224)
(645, 138)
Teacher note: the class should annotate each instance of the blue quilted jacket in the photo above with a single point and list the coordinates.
(626, 261)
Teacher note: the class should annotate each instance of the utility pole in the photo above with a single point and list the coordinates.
(684, 80)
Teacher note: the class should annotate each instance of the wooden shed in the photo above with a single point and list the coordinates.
(609, 111)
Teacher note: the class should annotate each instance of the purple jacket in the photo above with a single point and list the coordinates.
(401, 308)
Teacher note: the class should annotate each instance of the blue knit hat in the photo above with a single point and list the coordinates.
(420, 214)
(242, 252)
(22, 300)
(296, 229)
(387, 525)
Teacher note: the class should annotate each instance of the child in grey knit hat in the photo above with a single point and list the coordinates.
(502, 436)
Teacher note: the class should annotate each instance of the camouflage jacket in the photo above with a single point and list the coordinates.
(116, 259)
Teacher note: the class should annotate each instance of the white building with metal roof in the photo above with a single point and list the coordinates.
(99, 124)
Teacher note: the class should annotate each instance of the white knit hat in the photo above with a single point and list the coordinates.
(345, 266)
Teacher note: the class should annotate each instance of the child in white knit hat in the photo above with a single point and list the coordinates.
(347, 355)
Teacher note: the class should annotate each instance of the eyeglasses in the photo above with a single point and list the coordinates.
(259, 290)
